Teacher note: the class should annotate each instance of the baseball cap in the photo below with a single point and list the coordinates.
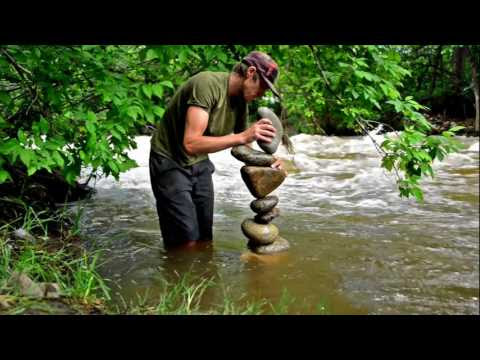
(266, 68)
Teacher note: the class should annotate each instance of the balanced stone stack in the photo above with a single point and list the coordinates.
(261, 180)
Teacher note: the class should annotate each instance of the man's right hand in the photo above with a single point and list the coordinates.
(262, 130)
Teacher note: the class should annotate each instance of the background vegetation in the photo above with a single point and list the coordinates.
(64, 108)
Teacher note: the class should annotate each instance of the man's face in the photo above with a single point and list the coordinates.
(253, 89)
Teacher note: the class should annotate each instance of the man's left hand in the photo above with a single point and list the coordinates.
(278, 164)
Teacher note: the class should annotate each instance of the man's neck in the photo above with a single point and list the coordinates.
(235, 85)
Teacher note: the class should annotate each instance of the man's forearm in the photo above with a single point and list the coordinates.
(211, 144)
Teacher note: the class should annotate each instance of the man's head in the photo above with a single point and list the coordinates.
(259, 72)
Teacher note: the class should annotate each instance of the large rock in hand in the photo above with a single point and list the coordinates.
(271, 147)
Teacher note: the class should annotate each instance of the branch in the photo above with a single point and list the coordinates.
(327, 83)
(16, 65)
(380, 123)
(33, 101)
(18, 68)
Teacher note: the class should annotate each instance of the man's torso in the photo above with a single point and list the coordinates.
(208, 90)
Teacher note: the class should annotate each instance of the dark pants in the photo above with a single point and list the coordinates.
(184, 198)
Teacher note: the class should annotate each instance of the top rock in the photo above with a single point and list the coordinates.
(271, 147)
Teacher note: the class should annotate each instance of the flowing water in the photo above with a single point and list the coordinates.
(356, 246)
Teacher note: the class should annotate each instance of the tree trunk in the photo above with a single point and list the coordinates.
(459, 65)
(477, 97)
(436, 65)
(476, 91)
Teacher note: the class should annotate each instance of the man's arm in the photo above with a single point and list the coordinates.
(196, 143)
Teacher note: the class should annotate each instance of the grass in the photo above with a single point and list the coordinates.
(48, 260)
(184, 298)
(185, 295)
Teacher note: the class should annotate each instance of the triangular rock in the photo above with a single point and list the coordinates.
(261, 181)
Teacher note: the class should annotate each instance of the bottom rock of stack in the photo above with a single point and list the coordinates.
(280, 244)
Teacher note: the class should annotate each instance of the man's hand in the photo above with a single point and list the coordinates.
(261, 130)
(278, 164)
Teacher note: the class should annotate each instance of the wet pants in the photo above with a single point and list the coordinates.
(184, 198)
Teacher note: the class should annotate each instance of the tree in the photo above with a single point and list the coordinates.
(474, 57)
(64, 108)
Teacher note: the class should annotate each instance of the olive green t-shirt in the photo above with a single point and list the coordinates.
(208, 90)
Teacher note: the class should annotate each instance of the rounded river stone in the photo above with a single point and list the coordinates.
(280, 244)
(250, 156)
(259, 234)
(268, 217)
(271, 147)
(262, 206)
(261, 181)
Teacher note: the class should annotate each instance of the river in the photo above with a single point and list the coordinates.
(356, 246)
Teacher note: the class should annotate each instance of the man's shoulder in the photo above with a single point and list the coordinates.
(214, 77)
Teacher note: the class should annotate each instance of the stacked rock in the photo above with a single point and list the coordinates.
(261, 180)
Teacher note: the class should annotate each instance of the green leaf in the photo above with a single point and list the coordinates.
(167, 83)
(90, 127)
(375, 102)
(133, 111)
(388, 162)
(26, 156)
(113, 166)
(126, 165)
(4, 97)
(31, 170)
(90, 123)
(157, 90)
(120, 129)
(456, 128)
(92, 143)
(9, 146)
(150, 117)
(21, 136)
(91, 116)
(116, 135)
(3, 123)
(151, 54)
(417, 192)
(58, 158)
(147, 90)
(4, 175)
(43, 125)
(159, 111)
(70, 175)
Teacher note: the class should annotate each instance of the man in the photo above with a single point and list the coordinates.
(208, 113)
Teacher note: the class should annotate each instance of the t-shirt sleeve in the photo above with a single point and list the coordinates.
(241, 122)
(201, 94)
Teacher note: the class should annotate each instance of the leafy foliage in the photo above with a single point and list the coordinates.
(64, 108)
